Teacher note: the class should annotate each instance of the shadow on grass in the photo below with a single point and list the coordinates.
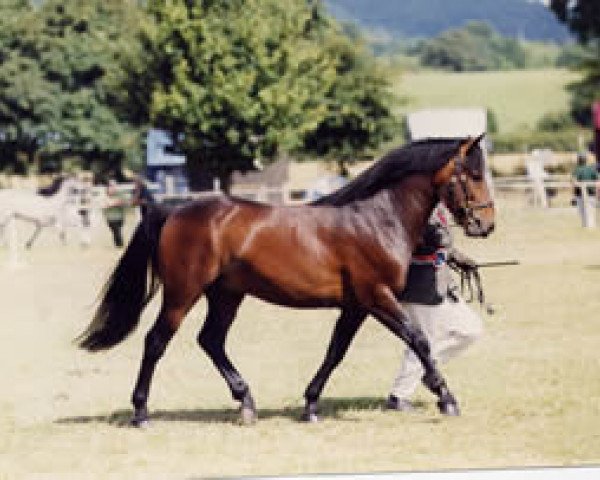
(329, 408)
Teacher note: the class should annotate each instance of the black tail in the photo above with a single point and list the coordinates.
(127, 291)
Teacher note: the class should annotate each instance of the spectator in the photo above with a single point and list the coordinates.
(584, 172)
(114, 211)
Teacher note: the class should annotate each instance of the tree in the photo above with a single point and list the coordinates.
(235, 81)
(476, 46)
(359, 104)
(583, 18)
(10, 145)
(53, 91)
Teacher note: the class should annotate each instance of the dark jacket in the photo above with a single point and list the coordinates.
(429, 277)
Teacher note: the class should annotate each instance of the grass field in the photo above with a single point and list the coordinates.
(530, 389)
(518, 98)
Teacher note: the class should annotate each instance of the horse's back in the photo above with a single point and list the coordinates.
(25, 202)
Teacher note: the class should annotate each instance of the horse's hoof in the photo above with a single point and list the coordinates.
(248, 416)
(310, 418)
(140, 419)
(141, 423)
(449, 409)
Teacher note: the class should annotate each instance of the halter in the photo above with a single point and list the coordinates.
(459, 178)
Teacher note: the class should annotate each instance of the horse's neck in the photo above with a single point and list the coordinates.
(413, 200)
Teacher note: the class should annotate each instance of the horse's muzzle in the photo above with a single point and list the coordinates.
(477, 228)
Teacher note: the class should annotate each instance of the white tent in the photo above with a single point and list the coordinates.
(447, 123)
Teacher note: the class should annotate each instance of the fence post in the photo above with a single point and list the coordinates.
(536, 173)
(588, 212)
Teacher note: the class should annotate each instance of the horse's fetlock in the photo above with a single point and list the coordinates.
(434, 381)
(139, 400)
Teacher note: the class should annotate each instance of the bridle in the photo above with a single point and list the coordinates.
(458, 179)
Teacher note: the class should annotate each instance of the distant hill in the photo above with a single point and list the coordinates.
(528, 19)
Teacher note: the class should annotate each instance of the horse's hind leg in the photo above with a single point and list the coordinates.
(222, 308)
(344, 331)
(36, 233)
(172, 313)
(388, 311)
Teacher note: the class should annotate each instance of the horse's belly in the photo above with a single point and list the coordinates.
(285, 286)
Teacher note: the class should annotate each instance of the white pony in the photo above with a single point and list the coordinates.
(55, 206)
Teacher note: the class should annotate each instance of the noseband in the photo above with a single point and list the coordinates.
(459, 180)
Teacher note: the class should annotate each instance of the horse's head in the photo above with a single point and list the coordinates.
(462, 186)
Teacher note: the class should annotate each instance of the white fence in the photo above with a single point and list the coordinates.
(554, 190)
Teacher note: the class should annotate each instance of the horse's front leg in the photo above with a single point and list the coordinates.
(388, 311)
(345, 329)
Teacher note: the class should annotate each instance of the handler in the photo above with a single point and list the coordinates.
(432, 300)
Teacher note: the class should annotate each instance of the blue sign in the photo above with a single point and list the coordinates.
(157, 143)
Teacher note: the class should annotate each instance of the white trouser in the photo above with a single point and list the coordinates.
(587, 215)
(450, 328)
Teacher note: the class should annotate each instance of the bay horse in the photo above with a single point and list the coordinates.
(350, 250)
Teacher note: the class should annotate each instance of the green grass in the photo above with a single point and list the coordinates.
(518, 98)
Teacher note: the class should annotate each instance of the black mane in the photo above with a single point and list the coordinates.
(423, 156)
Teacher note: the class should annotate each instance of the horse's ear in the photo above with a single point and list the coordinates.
(468, 143)
(444, 174)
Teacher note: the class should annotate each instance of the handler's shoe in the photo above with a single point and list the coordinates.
(399, 404)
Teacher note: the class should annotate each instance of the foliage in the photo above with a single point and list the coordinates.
(566, 140)
(244, 80)
(477, 46)
(555, 122)
(359, 105)
(53, 95)
(10, 14)
(492, 121)
(555, 130)
(586, 91)
(583, 18)
(571, 55)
